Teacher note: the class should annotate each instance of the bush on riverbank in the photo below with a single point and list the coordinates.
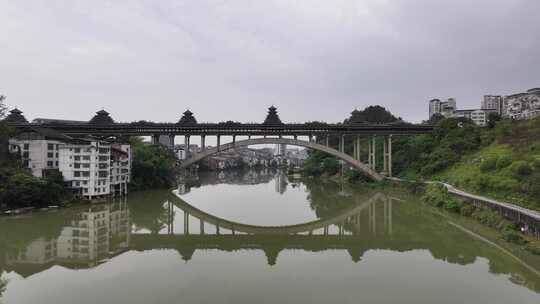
(19, 188)
(153, 166)
(437, 195)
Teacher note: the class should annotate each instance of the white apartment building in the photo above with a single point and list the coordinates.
(120, 168)
(85, 165)
(445, 108)
(522, 105)
(39, 150)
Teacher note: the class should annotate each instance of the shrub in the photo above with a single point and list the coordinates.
(503, 162)
(453, 205)
(489, 164)
(521, 168)
(513, 237)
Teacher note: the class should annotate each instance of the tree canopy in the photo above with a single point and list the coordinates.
(371, 114)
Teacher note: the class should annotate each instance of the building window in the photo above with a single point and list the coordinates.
(50, 155)
(77, 158)
(26, 146)
(86, 157)
(50, 147)
(86, 166)
(49, 164)
(77, 165)
(86, 174)
(56, 163)
(77, 150)
(77, 173)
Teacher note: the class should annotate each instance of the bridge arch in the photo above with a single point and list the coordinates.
(288, 141)
(285, 229)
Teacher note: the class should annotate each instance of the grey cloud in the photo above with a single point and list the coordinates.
(314, 59)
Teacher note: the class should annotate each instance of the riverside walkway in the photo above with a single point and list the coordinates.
(527, 218)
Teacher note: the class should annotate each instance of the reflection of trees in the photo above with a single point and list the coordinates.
(148, 211)
(327, 197)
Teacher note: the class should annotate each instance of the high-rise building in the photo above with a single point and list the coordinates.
(522, 105)
(445, 108)
(492, 102)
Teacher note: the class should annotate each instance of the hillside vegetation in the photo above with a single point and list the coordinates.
(502, 162)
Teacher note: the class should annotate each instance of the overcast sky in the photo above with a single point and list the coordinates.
(230, 60)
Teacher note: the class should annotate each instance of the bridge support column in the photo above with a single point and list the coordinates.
(218, 141)
(234, 139)
(171, 141)
(390, 155)
(203, 143)
(358, 147)
(327, 140)
(355, 147)
(155, 139)
(342, 144)
(373, 149)
(385, 156)
(186, 144)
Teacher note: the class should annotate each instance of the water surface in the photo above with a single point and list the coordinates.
(257, 237)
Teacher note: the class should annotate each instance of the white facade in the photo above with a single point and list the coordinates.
(37, 154)
(445, 108)
(522, 105)
(120, 168)
(87, 167)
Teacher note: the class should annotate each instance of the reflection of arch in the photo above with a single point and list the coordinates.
(289, 229)
(293, 142)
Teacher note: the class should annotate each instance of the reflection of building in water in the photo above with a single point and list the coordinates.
(97, 233)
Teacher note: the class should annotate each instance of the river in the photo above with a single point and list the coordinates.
(258, 237)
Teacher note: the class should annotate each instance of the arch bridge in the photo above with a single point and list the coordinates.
(363, 137)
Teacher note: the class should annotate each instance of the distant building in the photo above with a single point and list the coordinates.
(493, 103)
(445, 108)
(522, 105)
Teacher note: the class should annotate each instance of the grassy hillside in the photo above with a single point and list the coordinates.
(508, 168)
(502, 162)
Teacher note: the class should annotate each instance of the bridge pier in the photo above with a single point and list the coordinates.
(387, 158)
(218, 142)
(171, 141)
(186, 144)
(203, 144)
(155, 139)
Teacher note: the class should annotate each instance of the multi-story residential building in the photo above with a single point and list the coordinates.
(39, 150)
(120, 168)
(522, 105)
(445, 108)
(85, 166)
(492, 103)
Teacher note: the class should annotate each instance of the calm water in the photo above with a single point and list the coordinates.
(257, 237)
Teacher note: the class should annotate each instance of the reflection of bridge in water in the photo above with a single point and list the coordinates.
(341, 231)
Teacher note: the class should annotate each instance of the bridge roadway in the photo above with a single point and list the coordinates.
(227, 129)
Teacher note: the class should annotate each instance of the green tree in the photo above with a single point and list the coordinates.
(153, 166)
